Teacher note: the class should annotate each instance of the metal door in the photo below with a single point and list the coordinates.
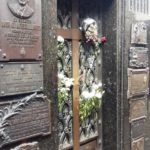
(79, 61)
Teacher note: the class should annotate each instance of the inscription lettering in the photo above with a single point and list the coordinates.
(21, 33)
(20, 78)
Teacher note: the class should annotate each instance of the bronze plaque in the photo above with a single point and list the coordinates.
(18, 78)
(137, 128)
(138, 57)
(139, 33)
(24, 118)
(138, 144)
(20, 30)
(137, 82)
(138, 108)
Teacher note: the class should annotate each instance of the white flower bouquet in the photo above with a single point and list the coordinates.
(90, 101)
(64, 87)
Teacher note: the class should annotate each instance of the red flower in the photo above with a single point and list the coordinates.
(103, 39)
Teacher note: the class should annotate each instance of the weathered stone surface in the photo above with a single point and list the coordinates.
(27, 146)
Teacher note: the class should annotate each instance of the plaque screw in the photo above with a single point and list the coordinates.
(22, 51)
(40, 55)
(41, 65)
(99, 122)
(2, 92)
(4, 55)
(2, 66)
(22, 67)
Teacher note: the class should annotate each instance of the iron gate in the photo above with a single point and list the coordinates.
(78, 60)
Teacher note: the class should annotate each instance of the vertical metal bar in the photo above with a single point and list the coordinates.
(138, 6)
(142, 3)
(146, 7)
(75, 61)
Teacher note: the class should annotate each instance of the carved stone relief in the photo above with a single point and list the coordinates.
(139, 33)
(21, 8)
(24, 118)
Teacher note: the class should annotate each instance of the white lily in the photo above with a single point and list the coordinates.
(85, 94)
(60, 39)
(98, 95)
(92, 94)
(61, 76)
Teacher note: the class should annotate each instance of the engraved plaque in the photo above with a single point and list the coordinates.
(20, 30)
(138, 108)
(23, 119)
(137, 128)
(17, 78)
(138, 82)
(138, 144)
(139, 33)
(138, 57)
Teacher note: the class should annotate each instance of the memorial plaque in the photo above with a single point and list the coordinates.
(138, 57)
(25, 118)
(137, 128)
(20, 30)
(138, 108)
(139, 33)
(18, 78)
(137, 82)
(138, 144)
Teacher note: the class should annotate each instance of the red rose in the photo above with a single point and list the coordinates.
(103, 39)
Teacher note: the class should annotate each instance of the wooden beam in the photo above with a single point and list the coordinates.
(75, 51)
(74, 34)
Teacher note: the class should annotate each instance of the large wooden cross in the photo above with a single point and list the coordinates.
(75, 35)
